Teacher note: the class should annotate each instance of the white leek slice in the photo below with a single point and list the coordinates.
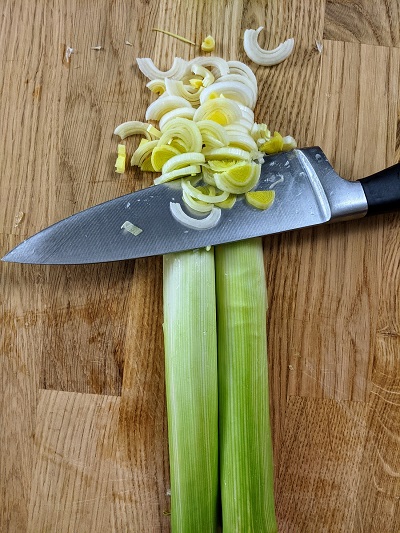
(199, 70)
(237, 67)
(233, 90)
(229, 152)
(247, 113)
(262, 56)
(195, 223)
(148, 68)
(243, 141)
(177, 88)
(163, 105)
(143, 152)
(183, 130)
(208, 175)
(218, 65)
(179, 173)
(241, 79)
(133, 127)
(236, 127)
(183, 160)
(213, 134)
(221, 110)
(196, 205)
(208, 198)
(181, 112)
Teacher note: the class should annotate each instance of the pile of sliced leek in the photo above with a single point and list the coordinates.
(201, 130)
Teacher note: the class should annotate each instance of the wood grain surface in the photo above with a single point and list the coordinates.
(83, 441)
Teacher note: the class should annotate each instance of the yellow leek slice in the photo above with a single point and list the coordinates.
(147, 166)
(161, 154)
(240, 179)
(208, 44)
(221, 110)
(260, 199)
(196, 205)
(156, 86)
(243, 141)
(220, 166)
(273, 145)
(121, 159)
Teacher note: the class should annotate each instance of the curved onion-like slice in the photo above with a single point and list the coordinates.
(148, 68)
(243, 141)
(213, 134)
(177, 88)
(221, 110)
(142, 152)
(218, 65)
(196, 205)
(183, 130)
(265, 57)
(241, 79)
(191, 170)
(195, 223)
(233, 90)
(183, 160)
(229, 153)
(208, 198)
(207, 75)
(179, 112)
(134, 127)
(237, 67)
(162, 105)
(156, 86)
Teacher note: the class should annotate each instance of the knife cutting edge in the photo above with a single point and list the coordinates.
(308, 193)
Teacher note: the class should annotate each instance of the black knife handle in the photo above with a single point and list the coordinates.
(382, 191)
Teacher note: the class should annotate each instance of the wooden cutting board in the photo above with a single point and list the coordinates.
(83, 442)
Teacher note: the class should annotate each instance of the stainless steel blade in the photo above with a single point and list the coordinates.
(308, 192)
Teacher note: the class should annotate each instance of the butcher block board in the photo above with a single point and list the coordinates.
(83, 439)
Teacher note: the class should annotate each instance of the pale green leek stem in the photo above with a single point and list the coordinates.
(246, 461)
(191, 375)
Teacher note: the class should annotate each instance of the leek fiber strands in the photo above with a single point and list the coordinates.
(191, 374)
(245, 446)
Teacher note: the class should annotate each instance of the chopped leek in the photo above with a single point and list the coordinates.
(265, 57)
(121, 159)
(190, 341)
(208, 44)
(246, 461)
(260, 199)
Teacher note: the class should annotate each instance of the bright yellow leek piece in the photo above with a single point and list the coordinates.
(246, 460)
(274, 145)
(121, 159)
(161, 154)
(208, 44)
(260, 199)
(240, 179)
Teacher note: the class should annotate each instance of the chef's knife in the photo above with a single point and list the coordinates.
(308, 192)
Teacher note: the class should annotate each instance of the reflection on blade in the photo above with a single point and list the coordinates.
(96, 234)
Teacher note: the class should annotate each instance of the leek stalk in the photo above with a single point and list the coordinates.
(190, 341)
(246, 461)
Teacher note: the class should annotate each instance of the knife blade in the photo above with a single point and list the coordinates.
(308, 192)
